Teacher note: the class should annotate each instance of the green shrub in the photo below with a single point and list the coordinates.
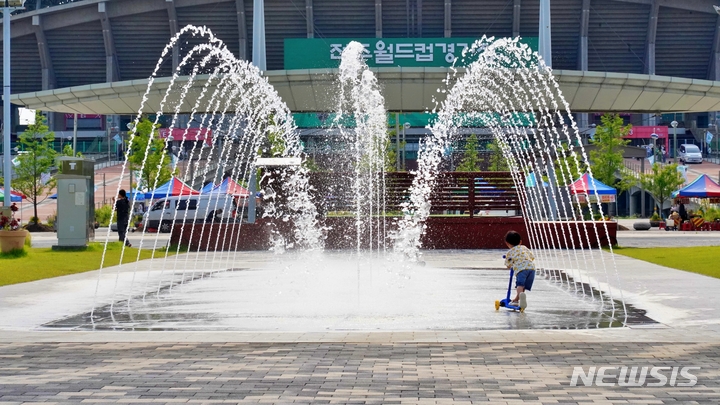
(102, 215)
(711, 213)
(655, 217)
(51, 219)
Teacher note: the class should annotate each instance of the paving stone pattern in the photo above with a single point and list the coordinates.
(343, 373)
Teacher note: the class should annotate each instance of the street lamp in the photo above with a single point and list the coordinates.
(674, 124)
(654, 138)
(404, 143)
(7, 9)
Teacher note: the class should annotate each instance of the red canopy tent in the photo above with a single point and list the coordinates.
(174, 187)
(702, 187)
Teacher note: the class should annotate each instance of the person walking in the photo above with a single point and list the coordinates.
(122, 208)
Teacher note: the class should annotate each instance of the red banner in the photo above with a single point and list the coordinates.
(193, 134)
(647, 131)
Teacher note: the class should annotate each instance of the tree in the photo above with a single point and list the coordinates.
(34, 164)
(151, 153)
(496, 158)
(68, 151)
(606, 160)
(391, 154)
(470, 161)
(567, 168)
(663, 180)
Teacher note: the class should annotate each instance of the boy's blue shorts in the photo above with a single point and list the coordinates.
(525, 279)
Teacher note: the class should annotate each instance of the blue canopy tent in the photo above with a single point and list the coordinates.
(531, 181)
(207, 188)
(228, 186)
(702, 187)
(15, 196)
(590, 186)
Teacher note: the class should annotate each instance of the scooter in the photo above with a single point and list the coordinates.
(507, 303)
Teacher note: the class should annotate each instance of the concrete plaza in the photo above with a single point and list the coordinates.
(44, 365)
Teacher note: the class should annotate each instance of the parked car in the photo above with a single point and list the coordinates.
(689, 153)
(173, 210)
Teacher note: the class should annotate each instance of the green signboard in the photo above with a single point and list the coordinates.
(318, 53)
(419, 119)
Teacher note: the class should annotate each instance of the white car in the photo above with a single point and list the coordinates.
(689, 153)
(168, 211)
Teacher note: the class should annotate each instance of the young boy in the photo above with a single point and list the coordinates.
(520, 259)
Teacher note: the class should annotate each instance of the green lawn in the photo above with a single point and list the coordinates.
(700, 259)
(40, 263)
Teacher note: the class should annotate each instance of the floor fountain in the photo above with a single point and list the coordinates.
(378, 284)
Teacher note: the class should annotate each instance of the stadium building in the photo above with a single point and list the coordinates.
(653, 61)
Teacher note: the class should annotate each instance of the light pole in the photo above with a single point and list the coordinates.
(8, 7)
(404, 143)
(674, 125)
(655, 137)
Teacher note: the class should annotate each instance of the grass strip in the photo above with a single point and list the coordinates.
(699, 259)
(40, 263)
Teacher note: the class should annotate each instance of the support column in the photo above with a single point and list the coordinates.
(545, 33)
(174, 29)
(642, 191)
(650, 39)
(582, 63)
(714, 68)
(516, 19)
(7, 166)
(259, 59)
(378, 19)
(649, 119)
(242, 29)
(112, 73)
(448, 18)
(48, 73)
(310, 19)
(418, 6)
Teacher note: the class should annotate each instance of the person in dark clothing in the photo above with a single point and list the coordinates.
(214, 216)
(122, 208)
(683, 213)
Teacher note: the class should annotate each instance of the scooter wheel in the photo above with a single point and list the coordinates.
(497, 305)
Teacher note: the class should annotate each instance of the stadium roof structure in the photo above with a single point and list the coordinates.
(94, 56)
(405, 89)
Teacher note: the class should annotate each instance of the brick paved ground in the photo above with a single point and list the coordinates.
(399, 373)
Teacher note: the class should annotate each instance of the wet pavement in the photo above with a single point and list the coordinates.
(330, 296)
(307, 364)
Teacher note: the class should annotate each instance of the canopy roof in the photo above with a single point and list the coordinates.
(15, 196)
(230, 187)
(407, 89)
(207, 188)
(702, 187)
(174, 187)
(584, 185)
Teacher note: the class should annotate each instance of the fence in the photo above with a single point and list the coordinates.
(85, 146)
(467, 192)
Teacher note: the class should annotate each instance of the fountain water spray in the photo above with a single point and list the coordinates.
(242, 110)
(511, 90)
(360, 100)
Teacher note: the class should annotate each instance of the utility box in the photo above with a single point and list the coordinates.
(75, 203)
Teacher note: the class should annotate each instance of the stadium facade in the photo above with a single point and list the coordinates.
(95, 41)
